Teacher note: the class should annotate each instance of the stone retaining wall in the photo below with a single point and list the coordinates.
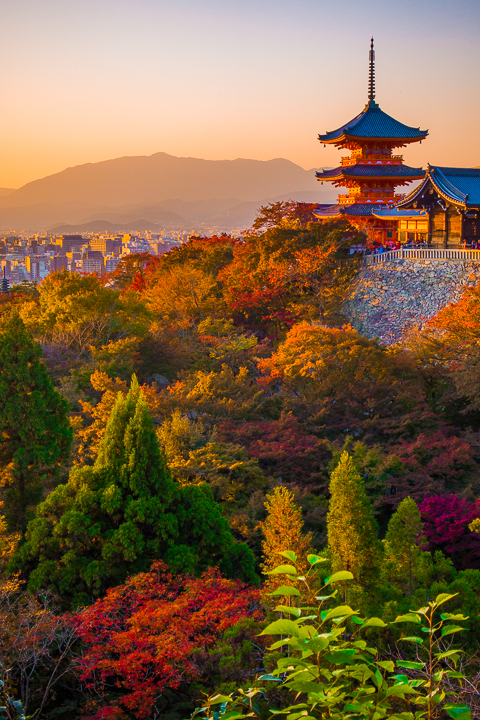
(388, 299)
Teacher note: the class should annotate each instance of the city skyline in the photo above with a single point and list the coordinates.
(107, 78)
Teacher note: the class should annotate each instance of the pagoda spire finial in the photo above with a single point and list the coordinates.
(371, 74)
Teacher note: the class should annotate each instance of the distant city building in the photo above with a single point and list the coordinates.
(70, 243)
(111, 263)
(58, 262)
(92, 261)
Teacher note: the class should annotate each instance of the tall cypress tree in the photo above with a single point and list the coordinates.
(35, 435)
(283, 530)
(115, 518)
(351, 527)
(402, 545)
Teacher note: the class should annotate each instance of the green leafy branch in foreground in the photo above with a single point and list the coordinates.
(434, 669)
(327, 670)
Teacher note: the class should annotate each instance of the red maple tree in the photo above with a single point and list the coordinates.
(144, 636)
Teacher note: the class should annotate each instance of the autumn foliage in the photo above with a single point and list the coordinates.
(144, 636)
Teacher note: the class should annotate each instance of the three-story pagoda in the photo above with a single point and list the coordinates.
(371, 172)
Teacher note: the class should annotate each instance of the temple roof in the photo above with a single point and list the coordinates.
(353, 210)
(373, 124)
(371, 170)
(460, 186)
(398, 214)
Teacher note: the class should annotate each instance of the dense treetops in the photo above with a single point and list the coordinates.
(223, 411)
(117, 516)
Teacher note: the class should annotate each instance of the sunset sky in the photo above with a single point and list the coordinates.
(88, 80)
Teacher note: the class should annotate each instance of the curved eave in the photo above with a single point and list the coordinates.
(328, 217)
(345, 138)
(361, 177)
(458, 201)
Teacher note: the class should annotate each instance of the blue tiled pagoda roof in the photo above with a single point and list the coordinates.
(353, 210)
(458, 185)
(371, 171)
(373, 123)
(398, 214)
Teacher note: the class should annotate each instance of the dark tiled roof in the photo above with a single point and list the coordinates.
(371, 171)
(354, 210)
(398, 214)
(374, 123)
(459, 185)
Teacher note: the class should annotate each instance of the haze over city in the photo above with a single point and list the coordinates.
(85, 82)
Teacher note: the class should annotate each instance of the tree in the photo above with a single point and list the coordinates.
(35, 435)
(446, 521)
(148, 636)
(282, 528)
(75, 314)
(115, 517)
(36, 649)
(451, 338)
(351, 527)
(402, 544)
(347, 383)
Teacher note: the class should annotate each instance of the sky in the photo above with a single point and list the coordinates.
(89, 80)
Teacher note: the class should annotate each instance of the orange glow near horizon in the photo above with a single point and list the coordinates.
(91, 81)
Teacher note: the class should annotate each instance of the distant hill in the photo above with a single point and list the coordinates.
(162, 189)
(103, 226)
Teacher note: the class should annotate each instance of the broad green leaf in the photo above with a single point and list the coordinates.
(282, 570)
(289, 554)
(320, 598)
(314, 559)
(317, 644)
(453, 616)
(216, 699)
(281, 627)
(449, 629)
(341, 656)
(458, 712)
(286, 590)
(374, 622)
(448, 653)
(387, 665)
(400, 690)
(270, 677)
(414, 639)
(336, 577)
(410, 664)
(443, 597)
(409, 617)
(340, 611)
(279, 644)
(290, 610)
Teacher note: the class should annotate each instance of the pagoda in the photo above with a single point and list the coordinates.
(371, 172)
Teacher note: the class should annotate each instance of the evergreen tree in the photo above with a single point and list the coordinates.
(282, 530)
(35, 434)
(402, 540)
(115, 518)
(351, 527)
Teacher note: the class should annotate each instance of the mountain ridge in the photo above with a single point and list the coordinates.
(79, 193)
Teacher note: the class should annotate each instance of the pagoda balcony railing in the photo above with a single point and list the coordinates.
(422, 254)
(369, 160)
(365, 197)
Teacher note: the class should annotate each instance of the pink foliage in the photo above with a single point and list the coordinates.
(446, 519)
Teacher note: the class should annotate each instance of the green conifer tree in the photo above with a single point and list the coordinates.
(35, 434)
(115, 518)
(402, 545)
(351, 527)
